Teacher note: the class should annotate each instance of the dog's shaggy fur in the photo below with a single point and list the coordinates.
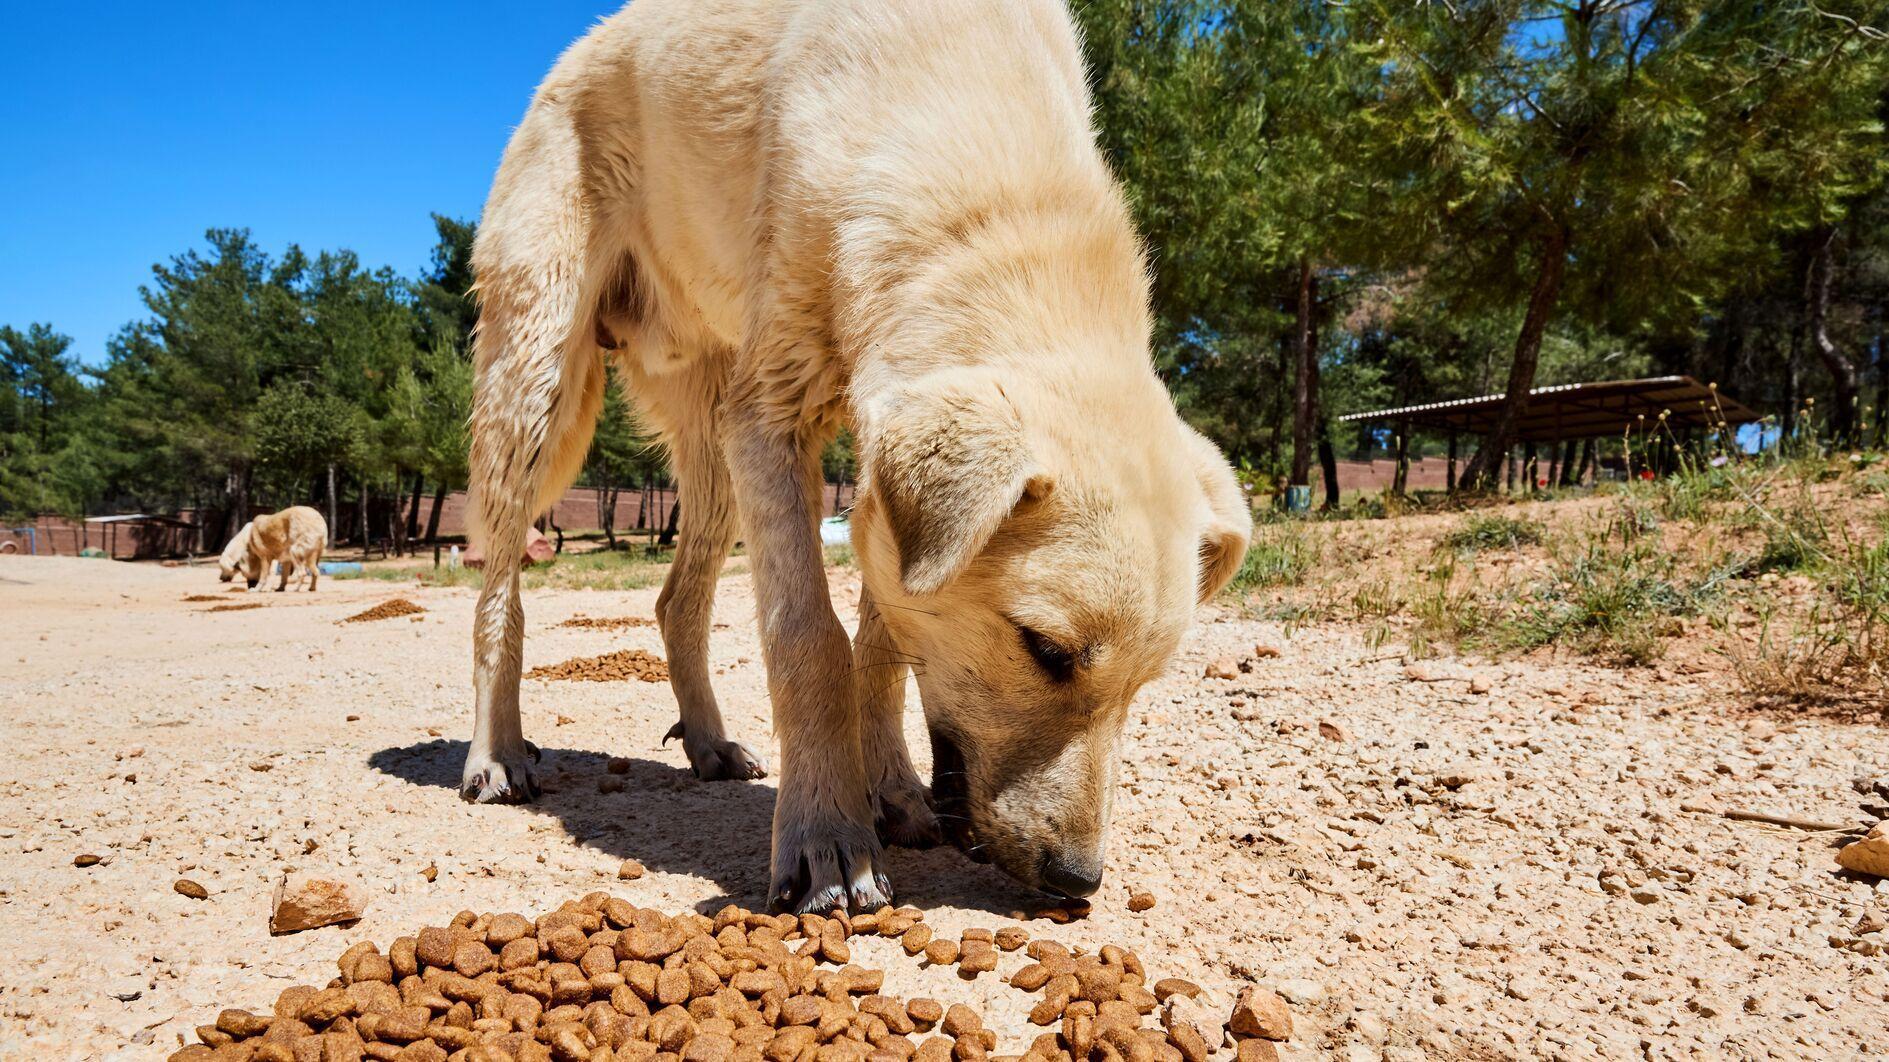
(292, 539)
(781, 216)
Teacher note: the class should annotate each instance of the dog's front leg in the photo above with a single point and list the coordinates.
(902, 804)
(825, 849)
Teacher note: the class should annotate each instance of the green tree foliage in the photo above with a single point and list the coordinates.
(47, 461)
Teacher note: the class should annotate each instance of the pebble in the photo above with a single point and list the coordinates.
(303, 902)
(629, 870)
(186, 887)
(1262, 1013)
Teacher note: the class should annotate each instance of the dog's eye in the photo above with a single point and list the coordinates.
(1060, 663)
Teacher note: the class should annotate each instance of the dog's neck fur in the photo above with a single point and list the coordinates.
(1050, 291)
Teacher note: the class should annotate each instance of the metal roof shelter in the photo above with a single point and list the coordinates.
(1577, 411)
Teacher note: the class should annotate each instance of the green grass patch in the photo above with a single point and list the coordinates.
(1492, 531)
(1281, 554)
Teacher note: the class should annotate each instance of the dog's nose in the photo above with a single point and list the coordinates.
(1074, 876)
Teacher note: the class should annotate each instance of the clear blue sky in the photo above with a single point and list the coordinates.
(127, 129)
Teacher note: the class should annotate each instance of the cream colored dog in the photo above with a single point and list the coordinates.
(292, 539)
(780, 216)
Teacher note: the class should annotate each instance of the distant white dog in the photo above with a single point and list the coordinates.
(292, 538)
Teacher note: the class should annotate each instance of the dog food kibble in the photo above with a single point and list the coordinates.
(1140, 901)
(600, 980)
(619, 666)
(629, 870)
(399, 606)
(186, 887)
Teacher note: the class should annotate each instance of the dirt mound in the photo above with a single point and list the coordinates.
(601, 979)
(607, 623)
(234, 608)
(619, 666)
(399, 606)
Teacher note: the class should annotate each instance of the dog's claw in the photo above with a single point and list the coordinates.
(494, 781)
(718, 760)
(904, 817)
(830, 871)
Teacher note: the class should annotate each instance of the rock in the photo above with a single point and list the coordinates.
(1301, 991)
(1331, 731)
(86, 860)
(1263, 651)
(1262, 1013)
(430, 872)
(1256, 1051)
(1424, 671)
(1479, 685)
(1869, 855)
(1140, 901)
(1458, 775)
(303, 902)
(629, 870)
(186, 887)
(1223, 668)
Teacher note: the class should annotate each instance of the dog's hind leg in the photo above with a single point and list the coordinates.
(903, 812)
(705, 533)
(539, 383)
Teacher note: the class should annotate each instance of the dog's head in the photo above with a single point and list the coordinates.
(235, 557)
(1040, 552)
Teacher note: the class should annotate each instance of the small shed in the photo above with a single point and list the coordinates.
(143, 535)
(1569, 413)
(1576, 411)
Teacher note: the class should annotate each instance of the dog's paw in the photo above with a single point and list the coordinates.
(903, 815)
(718, 759)
(823, 865)
(500, 778)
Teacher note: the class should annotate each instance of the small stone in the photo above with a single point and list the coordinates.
(186, 887)
(1263, 651)
(1140, 901)
(86, 860)
(610, 784)
(1259, 1012)
(430, 872)
(1869, 855)
(629, 870)
(1648, 893)
(1223, 668)
(1331, 731)
(617, 765)
(303, 902)
(1479, 685)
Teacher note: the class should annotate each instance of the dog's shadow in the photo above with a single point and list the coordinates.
(673, 823)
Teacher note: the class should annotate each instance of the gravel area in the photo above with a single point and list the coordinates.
(1455, 858)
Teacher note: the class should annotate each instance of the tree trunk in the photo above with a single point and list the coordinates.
(675, 516)
(1305, 388)
(360, 521)
(333, 503)
(607, 514)
(1589, 459)
(1843, 378)
(1882, 381)
(1400, 475)
(1328, 463)
(1541, 303)
(1450, 473)
(432, 518)
(236, 496)
(413, 510)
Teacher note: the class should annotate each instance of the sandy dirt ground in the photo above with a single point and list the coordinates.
(1483, 860)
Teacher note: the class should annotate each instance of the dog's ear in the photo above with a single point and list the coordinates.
(1229, 521)
(948, 460)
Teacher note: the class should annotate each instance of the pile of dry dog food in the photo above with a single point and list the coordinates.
(234, 608)
(610, 667)
(600, 980)
(607, 623)
(399, 606)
